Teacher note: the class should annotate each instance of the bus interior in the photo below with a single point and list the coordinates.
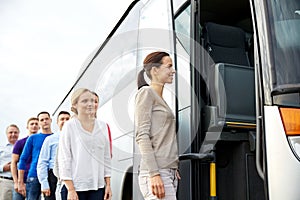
(226, 98)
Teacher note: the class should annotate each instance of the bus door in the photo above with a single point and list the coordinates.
(220, 113)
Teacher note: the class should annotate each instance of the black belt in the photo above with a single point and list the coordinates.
(4, 177)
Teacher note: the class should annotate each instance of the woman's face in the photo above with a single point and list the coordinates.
(86, 104)
(164, 73)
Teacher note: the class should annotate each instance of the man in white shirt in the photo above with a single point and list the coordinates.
(6, 180)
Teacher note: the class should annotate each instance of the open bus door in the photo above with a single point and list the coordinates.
(220, 114)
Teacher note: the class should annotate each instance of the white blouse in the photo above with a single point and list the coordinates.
(84, 157)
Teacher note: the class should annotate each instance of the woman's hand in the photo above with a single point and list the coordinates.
(178, 175)
(72, 195)
(108, 193)
(157, 186)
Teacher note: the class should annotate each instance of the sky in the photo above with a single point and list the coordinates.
(43, 45)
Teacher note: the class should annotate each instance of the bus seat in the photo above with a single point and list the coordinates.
(231, 78)
(226, 44)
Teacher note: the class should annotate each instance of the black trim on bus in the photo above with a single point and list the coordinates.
(181, 8)
(199, 167)
(99, 50)
(175, 60)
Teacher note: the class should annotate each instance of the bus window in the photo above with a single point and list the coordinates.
(285, 28)
(182, 28)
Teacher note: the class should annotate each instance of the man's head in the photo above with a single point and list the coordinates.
(62, 117)
(45, 121)
(12, 133)
(32, 125)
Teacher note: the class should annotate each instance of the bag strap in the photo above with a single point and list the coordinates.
(110, 140)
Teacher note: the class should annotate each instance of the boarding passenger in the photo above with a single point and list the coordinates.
(33, 128)
(56, 167)
(85, 174)
(46, 160)
(32, 149)
(6, 180)
(156, 130)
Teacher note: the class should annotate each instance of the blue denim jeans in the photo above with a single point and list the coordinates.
(33, 188)
(17, 196)
(84, 195)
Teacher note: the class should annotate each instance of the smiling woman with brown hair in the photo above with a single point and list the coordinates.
(156, 130)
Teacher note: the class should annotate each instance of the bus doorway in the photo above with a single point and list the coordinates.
(221, 118)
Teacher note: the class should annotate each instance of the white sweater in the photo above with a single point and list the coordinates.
(84, 157)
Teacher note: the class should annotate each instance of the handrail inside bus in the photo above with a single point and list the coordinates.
(286, 89)
(204, 157)
(99, 50)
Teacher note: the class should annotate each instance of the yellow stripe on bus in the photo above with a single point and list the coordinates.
(241, 124)
(213, 185)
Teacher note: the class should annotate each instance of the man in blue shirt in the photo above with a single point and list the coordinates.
(47, 158)
(32, 148)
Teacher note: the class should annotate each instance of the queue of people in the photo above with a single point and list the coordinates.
(53, 165)
(28, 164)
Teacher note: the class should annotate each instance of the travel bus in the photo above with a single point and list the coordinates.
(236, 94)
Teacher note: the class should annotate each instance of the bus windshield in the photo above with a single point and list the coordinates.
(284, 20)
